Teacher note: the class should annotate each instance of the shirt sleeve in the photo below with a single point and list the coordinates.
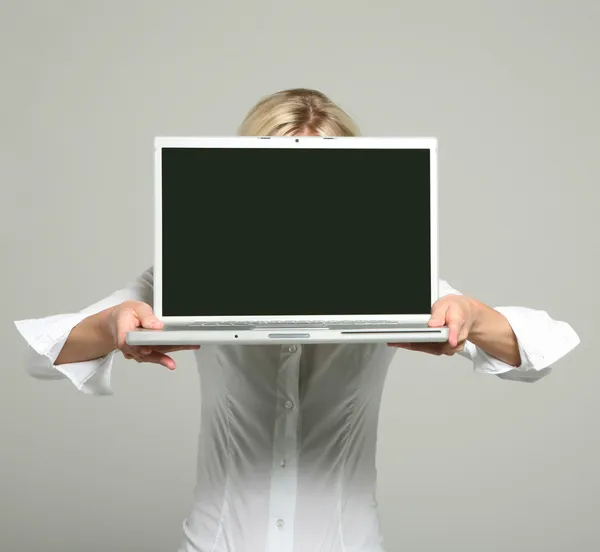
(542, 342)
(46, 337)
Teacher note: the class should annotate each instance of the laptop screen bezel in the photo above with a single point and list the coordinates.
(293, 142)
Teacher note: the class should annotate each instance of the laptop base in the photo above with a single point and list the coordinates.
(273, 336)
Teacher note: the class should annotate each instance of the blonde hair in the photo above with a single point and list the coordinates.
(297, 111)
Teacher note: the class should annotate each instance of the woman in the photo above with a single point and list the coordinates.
(286, 456)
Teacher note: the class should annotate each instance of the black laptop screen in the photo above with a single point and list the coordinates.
(295, 231)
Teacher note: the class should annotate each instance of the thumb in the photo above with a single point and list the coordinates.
(147, 318)
(438, 317)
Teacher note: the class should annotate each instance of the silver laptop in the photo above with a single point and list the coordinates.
(277, 240)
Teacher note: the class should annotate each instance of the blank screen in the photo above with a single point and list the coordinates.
(287, 231)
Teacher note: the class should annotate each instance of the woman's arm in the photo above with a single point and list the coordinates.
(106, 331)
(492, 333)
(87, 359)
(515, 343)
(89, 340)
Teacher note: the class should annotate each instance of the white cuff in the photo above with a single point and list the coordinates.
(542, 342)
(46, 338)
(91, 377)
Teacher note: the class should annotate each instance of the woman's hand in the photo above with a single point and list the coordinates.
(131, 315)
(460, 314)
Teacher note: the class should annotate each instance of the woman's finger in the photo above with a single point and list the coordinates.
(153, 357)
(158, 358)
(429, 348)
(149, 349)
(172, 348)
(145, 351)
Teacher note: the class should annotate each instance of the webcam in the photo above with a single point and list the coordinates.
(297, 140)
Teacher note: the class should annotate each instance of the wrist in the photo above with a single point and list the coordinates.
(104, 329)
(478, 314)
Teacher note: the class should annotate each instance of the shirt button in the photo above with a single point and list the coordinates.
(288, 404)
(283, 463)
(280, 523)
(292, 348)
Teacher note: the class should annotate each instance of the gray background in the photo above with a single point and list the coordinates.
(467, 462)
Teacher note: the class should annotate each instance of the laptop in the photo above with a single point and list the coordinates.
(278, 240)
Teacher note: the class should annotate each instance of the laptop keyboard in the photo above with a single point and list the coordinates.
(304, 324)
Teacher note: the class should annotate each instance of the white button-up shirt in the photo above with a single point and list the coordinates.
(286, 459)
